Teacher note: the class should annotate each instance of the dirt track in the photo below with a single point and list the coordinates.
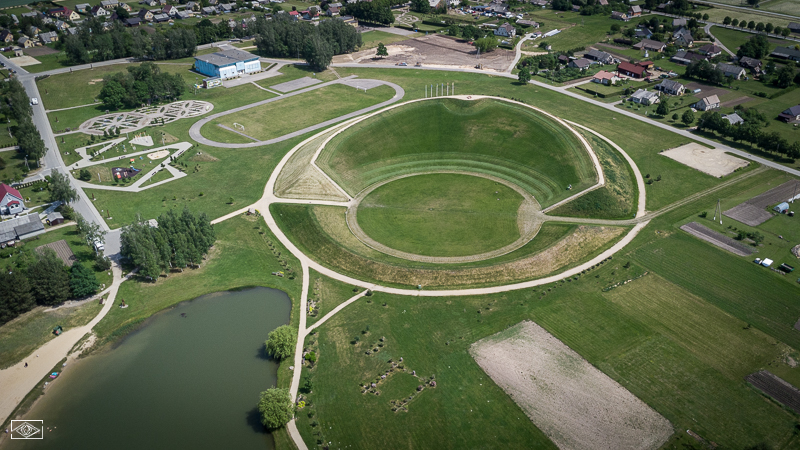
(572, 402)
(717, 239)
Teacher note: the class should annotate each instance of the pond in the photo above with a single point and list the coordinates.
(189, 378)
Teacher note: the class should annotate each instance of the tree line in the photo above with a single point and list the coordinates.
(141, 84)
(93, 42)
(42, 278)
(176, 242)
(282, 37)
(751, 131)
(376, 11)
(16, 105)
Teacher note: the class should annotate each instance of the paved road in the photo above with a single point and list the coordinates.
(194, 131)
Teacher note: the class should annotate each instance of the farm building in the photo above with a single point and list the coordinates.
(227, 64)
(733, 118)
(710, 50)
(750, 63)
(581, 63)
(21, 228)
(671, 87)
(684, 57)
(601, 57)
(730, 70)
(790, 114)
(650, 45)
(781, 208)
(11, 201)
(55, 218)
(789, 53)
(632, 70)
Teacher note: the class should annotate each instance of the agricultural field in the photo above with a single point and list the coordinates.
(733, 39)
(718, 14)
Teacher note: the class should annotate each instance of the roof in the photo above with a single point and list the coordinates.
(710, 100)
(597, 54)
(582, 62)
(710, 48)
(19, 227)
(632, 68)
(643, 94)
(6, 189)
(227, 57)
(794, 111)
(678, 22)
(733, 118)
(729, 68)
(636, 8)
(649, 43)
(603, 75)
(749, 62)
(683, 33)
(794, 26)
(786, 52)
(671, 85)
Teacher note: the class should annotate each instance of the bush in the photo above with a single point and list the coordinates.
(101, 262)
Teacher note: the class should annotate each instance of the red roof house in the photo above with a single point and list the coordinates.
(11, 201)
(632, 70)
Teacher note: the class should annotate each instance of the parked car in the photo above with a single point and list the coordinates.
(34, 101)
(402, 64)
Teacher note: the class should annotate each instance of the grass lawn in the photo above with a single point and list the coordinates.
(577, 31)
(103, 171)
(326, 294)
(33, 329)
(718, 14)
(782, 6)
(13, 166)
(371, 39)
(479, 136)
(279, 118)
(733, 39)
(73, 118)
(161, 175)
(617, 199)
(292, 72)
(48, 62)
(441, 215)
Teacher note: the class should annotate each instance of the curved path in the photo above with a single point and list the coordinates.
(717, 42)
(194, 131)
(528, 222)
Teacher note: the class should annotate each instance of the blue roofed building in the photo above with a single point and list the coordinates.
(227, 64)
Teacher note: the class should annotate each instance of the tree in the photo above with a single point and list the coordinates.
(281, 342)
(753, 2)
(663, 108)
(82, 281)
(421, 6)
(382, 51)
(783, 77)
(760, 27)
(60, 188)
(17, 297)
(85, 175)
(778, 30)
(675, 117)
(317, 53)
(48, 277)
(726, 20)
(705, 16)
(785, 32)
(688, 117)
(276, 408)
(113, 94)
(756, 47)
(524, 75)
(751, 25)
(486, 44)
(769, 27)
(735, 22)
(615, 28)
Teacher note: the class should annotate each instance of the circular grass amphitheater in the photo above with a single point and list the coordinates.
(446, 193)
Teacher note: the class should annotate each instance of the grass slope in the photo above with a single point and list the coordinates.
(441, 215)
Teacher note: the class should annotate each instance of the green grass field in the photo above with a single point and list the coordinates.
(481, 136)
(733, 39)
(370, 39)
(718, 14)
(441, 215)
(326, 294)
(278, 118)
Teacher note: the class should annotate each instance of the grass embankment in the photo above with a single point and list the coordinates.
(487, 136)
(31, 330)
(291, 72)
(370, 39)
(326, 294)
(321, 233)
(441, 215)
(617, 199)
(280, 117)
(643, 144)
(681, 339)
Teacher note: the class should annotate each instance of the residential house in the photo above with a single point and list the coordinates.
(663, 6)
(63, 13)
(616, 15)
(170, 10)
(671, 87)
(26, 42)
(160, 17)
(750, 63)
(789, 53)
(308, 15)
(580, 63)
(733, 119)
(528, 23)
(208, 10)
(6, 36)
(126, 7)
(685, 57)
(606, 78)
(193, 6)
(61, 25)
(333, 11)
(184, 15)
(708, 103)
(33, 31)
(643, 33)
(98, 11)
(48, 38)
(132, 22)
(72, 31)
(709, 50)
(650, 45)
(350, 20)
(730, 70)
(335, 5)
(635, 11)
(83, 7)
(790, 115)
(11, 201)
(599, 56)
(794, 27)
(225, 7)
(683, 38)
(109, 4)
(678, 23)
(145, 15)
(150, 3)
(645, 97)
(32, 14)
(294, 15)
(632, 70)
(505, 30)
